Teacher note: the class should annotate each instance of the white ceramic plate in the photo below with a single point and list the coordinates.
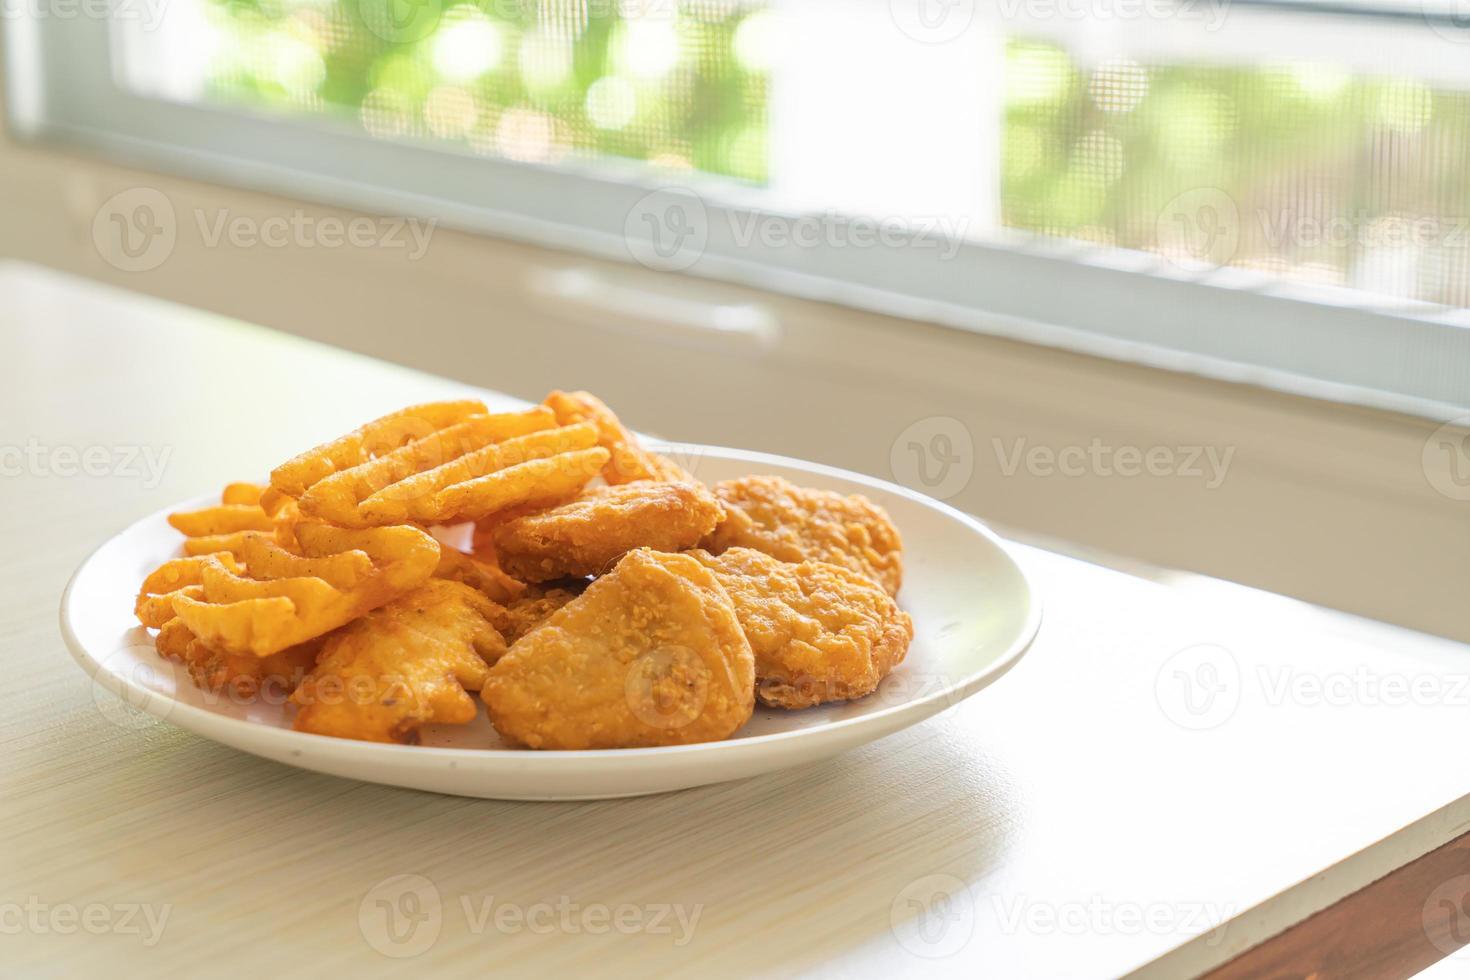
(974, 615)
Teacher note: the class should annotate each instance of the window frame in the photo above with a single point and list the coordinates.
(1228, 324)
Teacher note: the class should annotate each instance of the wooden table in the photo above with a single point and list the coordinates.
(1083, 817)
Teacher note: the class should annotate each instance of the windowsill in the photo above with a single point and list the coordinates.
(1322, 501)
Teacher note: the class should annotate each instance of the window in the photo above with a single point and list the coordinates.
(1263, 192)
(681, 88)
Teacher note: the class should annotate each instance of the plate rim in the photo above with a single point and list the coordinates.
(919, 709)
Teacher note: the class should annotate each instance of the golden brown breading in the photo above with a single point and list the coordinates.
(404, 665)
(590, 534)
(478, 573)
(241, 676)
(792, 523)
(819, 632)
(534, 606)
(650, 654)
(629, 460)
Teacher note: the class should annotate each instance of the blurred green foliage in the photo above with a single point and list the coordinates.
(1326, 176)
(684, 89)
(1094, 152)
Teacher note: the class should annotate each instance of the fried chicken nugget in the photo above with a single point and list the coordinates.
(773, 515)
(588, 535)
(404, 665)
(629, 460)
(242, 676)
(650, 654)
(819, 632)
(533, 607)
(477, 573)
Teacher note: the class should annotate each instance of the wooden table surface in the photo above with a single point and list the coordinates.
(1178, 770)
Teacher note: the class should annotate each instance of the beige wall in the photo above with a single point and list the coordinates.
(1327, 503)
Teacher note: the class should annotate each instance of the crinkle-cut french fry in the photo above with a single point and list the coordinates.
(540, 466)
(417, 468)
(376, 438)
(241, 493)
(628, 460)
(220, 519)
(154, 605)
(273, 599)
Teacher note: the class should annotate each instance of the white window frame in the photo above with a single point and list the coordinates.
(1223, 323)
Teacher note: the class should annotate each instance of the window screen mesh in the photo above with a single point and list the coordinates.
(1312, 169)
(1305, 171)
(524, 81)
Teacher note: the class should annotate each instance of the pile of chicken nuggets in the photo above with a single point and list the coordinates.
(594, 594)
